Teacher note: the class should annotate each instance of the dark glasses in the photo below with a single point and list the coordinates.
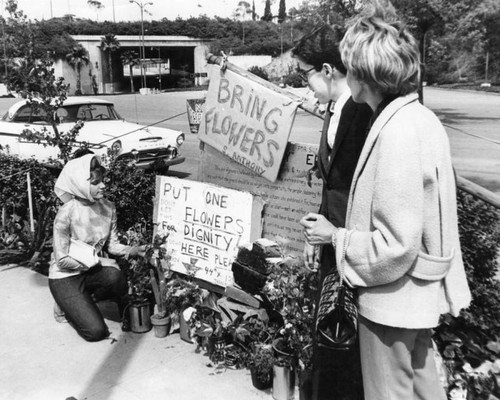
(303, 74)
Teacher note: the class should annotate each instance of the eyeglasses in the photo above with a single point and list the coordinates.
(303, 74)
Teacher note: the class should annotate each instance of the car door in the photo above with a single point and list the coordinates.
(12, 127)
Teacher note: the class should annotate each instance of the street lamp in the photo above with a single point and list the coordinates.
(143, 52)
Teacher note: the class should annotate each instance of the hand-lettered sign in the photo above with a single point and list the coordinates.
(205, 223)
(195, 113)
(247, 121)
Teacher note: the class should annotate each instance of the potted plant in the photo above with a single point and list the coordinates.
(160, 261)
(261, 364)
(140, 291)
(291, 292)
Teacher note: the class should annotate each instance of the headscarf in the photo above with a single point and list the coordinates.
(74, 179)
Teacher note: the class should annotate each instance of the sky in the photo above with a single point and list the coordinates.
(124, 10)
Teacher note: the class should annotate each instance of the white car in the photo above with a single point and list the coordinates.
(102, 128)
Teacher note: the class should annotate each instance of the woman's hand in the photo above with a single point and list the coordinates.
(138, 251)
(317, 229)
(311, 256)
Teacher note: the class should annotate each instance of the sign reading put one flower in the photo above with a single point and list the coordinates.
(205, 224)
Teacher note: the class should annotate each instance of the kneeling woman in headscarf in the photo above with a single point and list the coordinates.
(85, 223)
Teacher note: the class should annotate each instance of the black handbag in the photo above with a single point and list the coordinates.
(337, 319)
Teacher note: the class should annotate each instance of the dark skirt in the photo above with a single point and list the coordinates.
(336, 374)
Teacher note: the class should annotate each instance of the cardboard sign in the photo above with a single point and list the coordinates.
(287, 200)
(247, 122)
(205, 223)
(195, 113)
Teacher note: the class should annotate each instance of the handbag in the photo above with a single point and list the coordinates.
(337, 319)
(84, 253)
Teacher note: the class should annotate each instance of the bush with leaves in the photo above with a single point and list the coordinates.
(132, 190)
(259, 72)
(473, 337)
(294, 80)
(14, 200)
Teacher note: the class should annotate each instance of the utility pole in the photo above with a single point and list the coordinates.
(143, 51)
(3, 43)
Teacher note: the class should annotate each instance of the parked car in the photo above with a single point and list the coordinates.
(103, 129)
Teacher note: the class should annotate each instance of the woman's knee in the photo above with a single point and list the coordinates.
(94, 333)
(116, 281)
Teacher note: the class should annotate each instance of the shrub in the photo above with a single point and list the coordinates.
(472, 337)
(16, 234)
(132, 190)
(259, 72)
(293, 79)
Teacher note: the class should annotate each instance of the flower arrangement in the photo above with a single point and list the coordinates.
(136, 269)
(291, 290)
(157, 257)
(261, 363)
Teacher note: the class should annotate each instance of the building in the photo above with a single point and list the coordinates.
(169, 62)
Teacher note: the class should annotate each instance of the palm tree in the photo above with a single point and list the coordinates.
(130, 58)
(97, 5)
(110, 44)
(78, 58)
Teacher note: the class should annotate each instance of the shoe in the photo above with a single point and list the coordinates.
(59, 315)
(125, 318)
(126, 326)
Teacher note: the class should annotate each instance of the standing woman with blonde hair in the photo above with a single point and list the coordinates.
(400, 246)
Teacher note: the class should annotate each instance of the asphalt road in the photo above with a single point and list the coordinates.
(464, 113)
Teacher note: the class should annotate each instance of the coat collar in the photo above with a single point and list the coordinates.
(384, 117)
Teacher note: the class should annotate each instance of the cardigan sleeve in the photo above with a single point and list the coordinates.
(61, 240)
(114, 246)
(386, 252)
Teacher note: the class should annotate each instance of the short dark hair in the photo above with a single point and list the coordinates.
(97, 171)
(321, 46)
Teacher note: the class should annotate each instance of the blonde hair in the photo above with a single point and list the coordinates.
(380, 51)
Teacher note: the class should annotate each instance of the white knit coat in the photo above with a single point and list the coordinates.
(401, 242)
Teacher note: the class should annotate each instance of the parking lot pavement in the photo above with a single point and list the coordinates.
(46, 360)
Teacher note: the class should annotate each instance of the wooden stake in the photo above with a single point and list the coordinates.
(30, 203)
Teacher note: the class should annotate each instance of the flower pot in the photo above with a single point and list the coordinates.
(305, 385)
(161, 326)
(215, 348)
(260, 382)
(140, 320)
(279, 348)
(281, 354)
(283, 383)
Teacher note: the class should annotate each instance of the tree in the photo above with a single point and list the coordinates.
(282, 11)
(421, 15)
(77, 58)
(243, 10)
(130, 58)
(33, 78)
(268, 16)
(97, 5)
(254, 15)
(110, 44)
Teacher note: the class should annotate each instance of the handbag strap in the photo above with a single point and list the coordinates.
(343, 236)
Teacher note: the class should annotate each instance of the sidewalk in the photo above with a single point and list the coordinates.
(46, 360)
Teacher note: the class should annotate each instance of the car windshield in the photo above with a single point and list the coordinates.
(90, 112)
(67, 113)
